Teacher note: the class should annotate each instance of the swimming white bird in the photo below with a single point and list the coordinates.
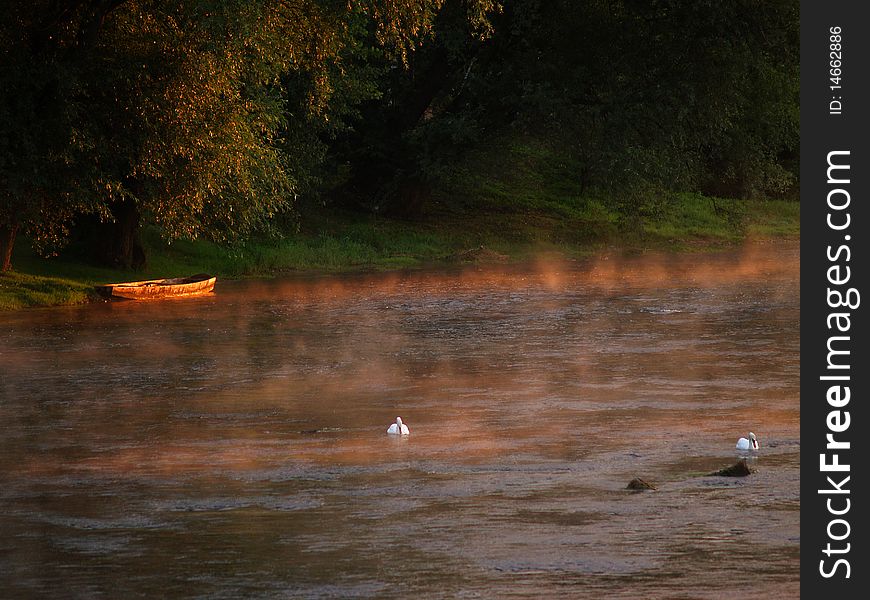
(398, 428)
(750, 444)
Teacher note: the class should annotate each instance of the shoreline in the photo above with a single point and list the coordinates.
(330, 241)
(39, 291)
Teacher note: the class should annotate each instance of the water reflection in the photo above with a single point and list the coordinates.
(234, 445)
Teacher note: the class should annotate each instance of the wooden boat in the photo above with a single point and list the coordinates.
(195, 285)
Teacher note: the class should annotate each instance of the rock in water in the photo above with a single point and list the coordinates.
(639, 484)
(738, 469)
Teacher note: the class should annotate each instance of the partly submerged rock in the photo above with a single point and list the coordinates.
(738, 469)
(639, 484)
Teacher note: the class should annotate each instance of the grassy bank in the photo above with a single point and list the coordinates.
(337, 241)
(515, 203)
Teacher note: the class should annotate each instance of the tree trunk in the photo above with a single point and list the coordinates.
(7, 241)
(427, 86)
(121, 245)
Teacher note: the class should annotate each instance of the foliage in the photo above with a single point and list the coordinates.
(214, 117)
(645, 97)
(207, 116)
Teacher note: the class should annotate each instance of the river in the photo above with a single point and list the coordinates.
(234, 445)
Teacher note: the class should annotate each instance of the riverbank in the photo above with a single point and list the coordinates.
(334, 241)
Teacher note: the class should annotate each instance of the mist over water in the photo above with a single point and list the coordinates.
(234, 445)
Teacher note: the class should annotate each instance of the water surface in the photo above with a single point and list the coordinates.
(233, 446)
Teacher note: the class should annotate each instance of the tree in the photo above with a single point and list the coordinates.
(191, 114)
(381, 148)
(644, 96)
(40, 186)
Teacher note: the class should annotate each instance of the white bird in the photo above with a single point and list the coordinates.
(398, 428)
(748, 444)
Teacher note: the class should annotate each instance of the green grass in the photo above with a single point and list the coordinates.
(773, 218)
(696, 217)
(519, 200)
(20, 290)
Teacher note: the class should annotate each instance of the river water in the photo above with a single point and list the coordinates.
(234, 445)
